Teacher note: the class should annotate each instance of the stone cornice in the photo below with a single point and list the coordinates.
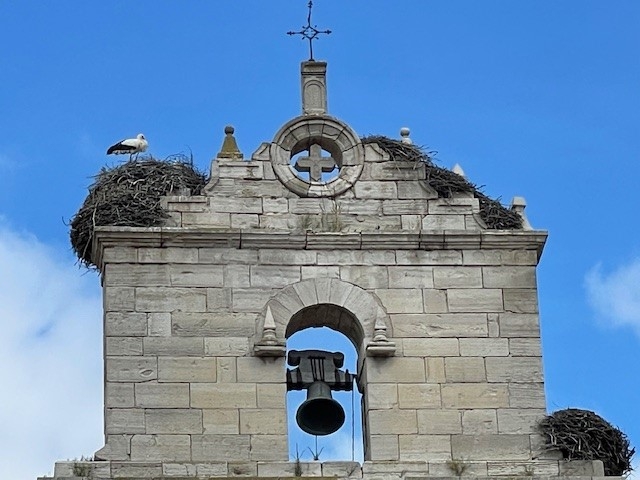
(211, 237)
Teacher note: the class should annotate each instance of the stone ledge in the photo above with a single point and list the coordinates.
(212, 237)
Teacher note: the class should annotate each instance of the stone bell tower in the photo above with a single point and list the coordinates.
(318, 228)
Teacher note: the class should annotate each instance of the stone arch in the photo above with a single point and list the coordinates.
(360, 315)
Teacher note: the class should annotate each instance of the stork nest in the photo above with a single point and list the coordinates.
(447, 183)
(583, 435)
(129, 195)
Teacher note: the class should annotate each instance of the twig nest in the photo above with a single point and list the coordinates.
(447, 183)
(129, 195)
(584, 435)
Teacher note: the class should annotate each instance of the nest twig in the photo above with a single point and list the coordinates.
(584, 435)
(129, 195)
(447, 183)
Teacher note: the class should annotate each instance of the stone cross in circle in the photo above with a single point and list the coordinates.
(315, 164)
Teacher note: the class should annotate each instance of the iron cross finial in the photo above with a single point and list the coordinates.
(310, 32)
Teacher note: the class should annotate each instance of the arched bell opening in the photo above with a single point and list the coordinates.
(333, 330)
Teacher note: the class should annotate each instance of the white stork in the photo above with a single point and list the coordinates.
(129, 145)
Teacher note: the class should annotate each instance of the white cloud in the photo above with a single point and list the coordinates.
(50, 358)
(616, 295)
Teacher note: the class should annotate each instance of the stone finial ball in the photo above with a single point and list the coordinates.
(229, 130)
(404, 131)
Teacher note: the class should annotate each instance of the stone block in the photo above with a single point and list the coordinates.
(475, 300)
(221, 421)
(160, 448)
(430, 347)
(223, 395)
(207, 448)
(525, 347)
(457, 277)
(131, 369)
(169, 299)
(374, 468)
(125, 324)
(271, 395)
(187, 369)
(120, 255)
(245, 220)
(410, 277)
(168, 254)
(219, 324)
(395, 370)
(277, 256)
(219, 299)
(519, 420)
(119, 299)
(455, 206)
(227, 370)
(226, 346)
(404, 207)
(429, 257)
(411, 222)
(514, 369)
(443, 222)
(478, 395)
(365, 277)
(242, 469)
(382, 395)
(124, 420)
(416, 190)
(162, 395)
(384, 422)
(118, 395)
(500, 257)
(484, 347)
(435, 370)
(236, 276)
(129, 470)
(123, 346)
(251, 299)
(435, 301)
(204, 275)
(523, 469)
(320, 272)
(439, 325)
(425, 447)
(281, 470)
(260, 370)
(275, 205)
(384, 447)
(401, 300)
(356, 257)
(526, 395)
(173, 421)
(439, 422)
(236, 205)
(479, 422)
(173, 346)
(509, 277)
(227, 256)
(520, 300)
(269, 448)
(519, 325)
(490, 447)
(263, 421)
(465, 370)
(135, 275)
(419, 396)
(341, 469)
(159, 324)
(375, 190)
(493, 325)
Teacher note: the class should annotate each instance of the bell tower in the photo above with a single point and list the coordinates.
(433, 283)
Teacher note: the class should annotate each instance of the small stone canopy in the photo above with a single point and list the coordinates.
(326, 302)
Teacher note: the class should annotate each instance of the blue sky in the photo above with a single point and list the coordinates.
(537, 98)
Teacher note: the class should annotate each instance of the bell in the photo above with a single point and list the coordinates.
(320, 414)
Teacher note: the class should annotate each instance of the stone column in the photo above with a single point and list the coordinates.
(314, 87)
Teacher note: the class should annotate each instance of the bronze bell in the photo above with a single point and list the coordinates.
(318, 372)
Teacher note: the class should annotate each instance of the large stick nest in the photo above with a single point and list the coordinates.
(129, 195)
(447, 183)
(583, 435)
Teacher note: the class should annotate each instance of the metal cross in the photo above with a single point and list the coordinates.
(315, 164)
(309, 32)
